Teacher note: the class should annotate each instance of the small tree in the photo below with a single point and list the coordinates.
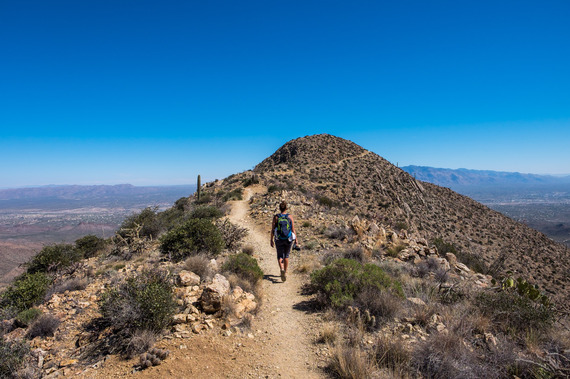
(194, 236)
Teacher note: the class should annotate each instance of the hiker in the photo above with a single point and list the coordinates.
(283, 237)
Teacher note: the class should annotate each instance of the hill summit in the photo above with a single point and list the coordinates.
(339, 174)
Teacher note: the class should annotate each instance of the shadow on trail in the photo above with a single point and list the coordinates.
(308, 306)
(275, 279)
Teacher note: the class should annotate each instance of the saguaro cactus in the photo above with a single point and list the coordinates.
(198, 189)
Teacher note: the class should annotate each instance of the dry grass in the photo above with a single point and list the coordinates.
(390, 353)
(140, 342)
(199, 264)
(329, 333)
(350, 362)
(307, 264)
(248, 249)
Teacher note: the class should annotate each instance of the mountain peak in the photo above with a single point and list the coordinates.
(316, 149)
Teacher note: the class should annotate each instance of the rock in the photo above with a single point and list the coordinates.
(416, 301)
(180, 319)
(214, 293)
(373, 229)
(462, 268)
(451, 258)
(67, 362)
(188, 279)
(198, 327)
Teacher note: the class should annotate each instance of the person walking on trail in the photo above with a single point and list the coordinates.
(283, 236)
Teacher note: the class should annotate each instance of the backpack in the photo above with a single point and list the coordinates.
(283, 227)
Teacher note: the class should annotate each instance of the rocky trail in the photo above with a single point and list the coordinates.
(284, 328)
(279, 344)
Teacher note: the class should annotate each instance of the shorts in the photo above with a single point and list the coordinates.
(283, 248)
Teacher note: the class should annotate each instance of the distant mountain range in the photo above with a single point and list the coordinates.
(461, 178)
(69, 196)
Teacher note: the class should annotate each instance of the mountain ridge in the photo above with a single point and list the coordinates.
(363, 183)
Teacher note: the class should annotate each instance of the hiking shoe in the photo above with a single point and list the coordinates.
(283, 276)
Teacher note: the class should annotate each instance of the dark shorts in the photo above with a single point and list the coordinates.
(283, 248)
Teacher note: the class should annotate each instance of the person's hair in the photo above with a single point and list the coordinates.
(283, 206)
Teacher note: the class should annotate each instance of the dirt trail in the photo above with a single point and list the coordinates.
(280, 343)
(284, 330)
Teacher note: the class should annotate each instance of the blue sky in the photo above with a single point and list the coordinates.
(157, 92)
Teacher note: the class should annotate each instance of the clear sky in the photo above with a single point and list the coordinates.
(157, 92)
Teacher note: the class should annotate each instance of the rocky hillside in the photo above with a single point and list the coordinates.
(347, 179)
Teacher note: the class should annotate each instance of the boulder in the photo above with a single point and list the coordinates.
(451, 258)
(188, 279)
(212, 297)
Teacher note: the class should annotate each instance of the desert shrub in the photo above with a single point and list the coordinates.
(338, 232)
(147, 219)
(44, 326)
(328, 334)
(206, 211)
(199, 264)
(327, 202)
(25, 318)
(26, 291)
(343, 279)
(383, 305)
(306, 224)
(394, 250)
(88, 246)
(249, 250)
(140, 341)
(193, 236)
(275, 188)
(52, 258)
(401, 225)
(512, 312)
(254, 179)
(205, 198)
(143, 302)
(12, 357)
(444, 356)
(444, 247)
(348, 362)
(73, 284)
(391, 354)
(356, 253)
(236, 194)
(474, 262)
(232, 234)
(244, 266)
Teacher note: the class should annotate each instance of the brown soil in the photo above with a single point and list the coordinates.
(280, 343)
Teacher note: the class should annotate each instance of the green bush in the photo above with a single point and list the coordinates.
(12, 357)
(194, 236)
(513, 312)
(27, 316)
(342, 280)
(149, 221)
(52, 258)
(89, 245)
(205, 211)
(244, 266)
(143, 302)
(26, 291)
(236, 194)
(328, 202)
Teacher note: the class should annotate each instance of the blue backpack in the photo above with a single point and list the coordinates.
(283, 227)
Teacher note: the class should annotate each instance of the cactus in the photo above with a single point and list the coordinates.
(199, 184)
(153, 357)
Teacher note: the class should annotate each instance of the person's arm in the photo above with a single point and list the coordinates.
(271, 236)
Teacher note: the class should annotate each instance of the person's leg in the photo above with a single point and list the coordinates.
(285, 264)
